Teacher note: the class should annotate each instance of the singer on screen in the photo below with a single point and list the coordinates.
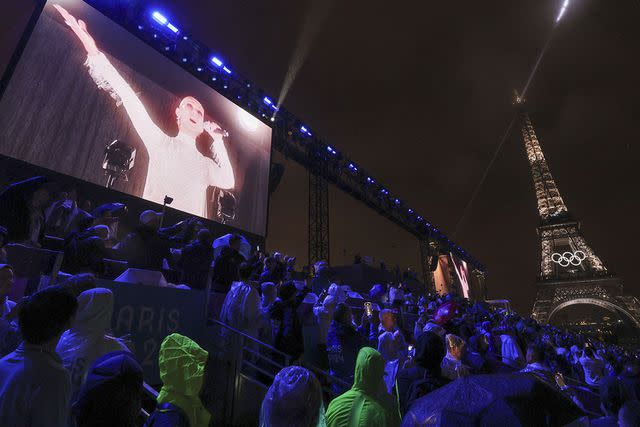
(176, 167)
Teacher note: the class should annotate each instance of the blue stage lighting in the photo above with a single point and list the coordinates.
(370, 180)
(226, 70)
(410, 211)
(267, 101)
(353, 167)
(184, 59)
(331, 150)
(384, 191)
(303, 129)
(397, 202)
(185, 38)
(199, 69)
(159, 18)
(172, 28)
(140, 27)
(419, 218)
(215, 61)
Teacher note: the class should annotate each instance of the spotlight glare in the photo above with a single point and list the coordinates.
(159, 18)
(216, 61)
(563, 9)
(226, 70)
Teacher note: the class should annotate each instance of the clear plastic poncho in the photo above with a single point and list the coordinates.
(293, 400)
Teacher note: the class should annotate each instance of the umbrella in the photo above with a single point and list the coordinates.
(493, 400)
(113, 209)
(221, 242)
(446, 312)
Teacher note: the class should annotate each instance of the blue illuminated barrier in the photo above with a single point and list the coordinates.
(145, 315)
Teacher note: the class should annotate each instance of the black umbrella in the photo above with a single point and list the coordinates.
(493, 400)
(112, 209)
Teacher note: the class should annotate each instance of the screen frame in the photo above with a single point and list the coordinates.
(17, 55)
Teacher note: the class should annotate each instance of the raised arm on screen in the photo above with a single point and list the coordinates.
(107, 77)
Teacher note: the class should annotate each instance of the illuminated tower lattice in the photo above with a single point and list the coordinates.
(570, 272)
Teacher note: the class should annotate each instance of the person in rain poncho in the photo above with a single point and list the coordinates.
(241, 307)
(363, 404)
(88, 337)
(452, 366)
(183, 366)
(293, 400)
(112, 393)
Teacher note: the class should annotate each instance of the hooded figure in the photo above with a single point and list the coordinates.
(182, 369)
(293, 400)
(425, 376)
(361, 406)
(112, 393)
(88, 337)
(22, 210)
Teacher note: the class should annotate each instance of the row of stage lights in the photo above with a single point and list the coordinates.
(222, 76)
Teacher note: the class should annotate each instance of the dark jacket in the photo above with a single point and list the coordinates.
(195, 263)
(167, 415)
(83, 253)
(15, 214)
(226, 269)
(144, 248)
(343, 344)
(287, 326)
(424, 376)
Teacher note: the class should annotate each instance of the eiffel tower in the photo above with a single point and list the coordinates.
(570, 271)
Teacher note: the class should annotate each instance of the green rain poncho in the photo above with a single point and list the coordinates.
(360, 406)
(182, 364)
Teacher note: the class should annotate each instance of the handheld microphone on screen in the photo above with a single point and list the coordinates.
(119, 158)
(167, 201)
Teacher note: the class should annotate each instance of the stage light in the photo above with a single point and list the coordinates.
(159, 18)
(267, 101)
(331, 150)
(384, 191)
(199, 69)
(397, 202)
(185, 38)
(419, 218)
(214, 78)
(410, 211)
(273, 119)
(167, 48)
(353, 167)
(226, 86)
(303, 129)
(216, 61)
(172, 28)
(184, 59)
(226, 70)
(370, 180)
(140, 27)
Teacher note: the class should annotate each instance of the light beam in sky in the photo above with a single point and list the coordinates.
(563, 9)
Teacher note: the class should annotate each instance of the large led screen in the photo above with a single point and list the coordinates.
(84, 82)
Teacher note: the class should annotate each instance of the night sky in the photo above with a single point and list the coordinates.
(419, 94)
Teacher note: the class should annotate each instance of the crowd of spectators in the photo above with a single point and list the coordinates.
(385, 354)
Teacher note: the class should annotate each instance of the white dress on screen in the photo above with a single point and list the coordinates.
(176, 167)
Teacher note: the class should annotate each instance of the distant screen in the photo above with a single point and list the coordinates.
(80, 87)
